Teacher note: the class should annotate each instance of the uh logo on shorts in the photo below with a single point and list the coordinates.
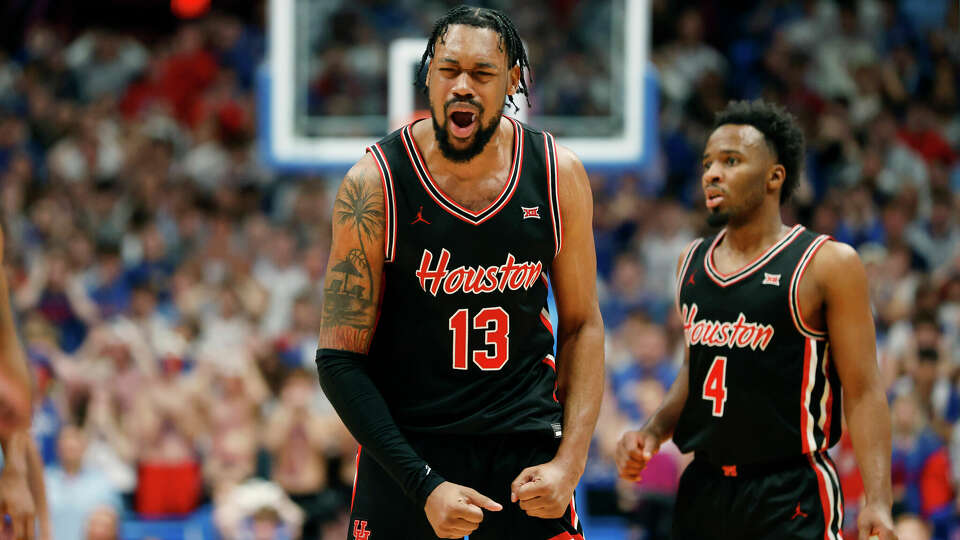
(360, 531)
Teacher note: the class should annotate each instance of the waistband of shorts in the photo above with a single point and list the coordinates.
(749, 470)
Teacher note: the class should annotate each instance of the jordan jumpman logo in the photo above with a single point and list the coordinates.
(420, 217)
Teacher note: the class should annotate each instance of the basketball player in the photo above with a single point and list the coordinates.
(777, 321)
(436, 346)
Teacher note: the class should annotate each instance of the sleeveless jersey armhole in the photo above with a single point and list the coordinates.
(389, 203)
(684, 266)
(794, 300)
(553, 195)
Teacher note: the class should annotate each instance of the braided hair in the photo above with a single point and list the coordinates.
(480, 17)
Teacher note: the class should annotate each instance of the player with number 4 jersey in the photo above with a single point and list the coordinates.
(436, 346)
(780, 342)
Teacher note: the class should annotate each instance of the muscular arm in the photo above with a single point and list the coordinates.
(545, 490)
(356, 260)
(580, 333)
(840, 276)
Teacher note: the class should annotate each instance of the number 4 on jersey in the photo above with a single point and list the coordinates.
(715, 385)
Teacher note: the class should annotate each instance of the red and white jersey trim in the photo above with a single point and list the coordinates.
(447, 203)
(553, 195)
(389, 203)
(725, 280)
(794, 300)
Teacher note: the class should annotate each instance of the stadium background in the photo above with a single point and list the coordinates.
(167, 282)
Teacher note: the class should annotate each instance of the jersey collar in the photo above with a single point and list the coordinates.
(447, 203)
(725, 280)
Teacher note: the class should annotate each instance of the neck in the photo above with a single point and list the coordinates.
(756, 233)
(71, 468)
(480, 166)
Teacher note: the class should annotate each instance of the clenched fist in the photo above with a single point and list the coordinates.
(454, 511)
(634, 450)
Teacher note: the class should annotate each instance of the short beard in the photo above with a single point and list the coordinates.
(718, 219)
(480, 140)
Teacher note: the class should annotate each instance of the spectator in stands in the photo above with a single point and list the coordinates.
(283, 277)
(920, 467)
(51, 290)
(298, 439)
(257, 510)
(75, 490)
(229, 396)
(112, 291)
(110, 448)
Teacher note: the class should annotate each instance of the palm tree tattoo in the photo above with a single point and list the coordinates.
(347, 302)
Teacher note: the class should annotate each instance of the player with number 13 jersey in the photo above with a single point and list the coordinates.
(464, 343)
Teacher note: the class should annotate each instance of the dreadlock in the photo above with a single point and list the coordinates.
(480, 17)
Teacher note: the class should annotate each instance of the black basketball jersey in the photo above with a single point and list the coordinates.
(762, 386)
(464, 342)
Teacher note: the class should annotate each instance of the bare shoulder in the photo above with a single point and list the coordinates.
(359, 201)
(364, 173)
(573, 184)
(570, 167)
(837, 256)
(837, 265)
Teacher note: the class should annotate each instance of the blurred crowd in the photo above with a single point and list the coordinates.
(167, 284)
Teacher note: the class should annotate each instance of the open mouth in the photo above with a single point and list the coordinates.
(462, 123)
(714, 200)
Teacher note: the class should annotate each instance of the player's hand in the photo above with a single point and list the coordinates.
(17, 509)
(544, 491)
(634, 450)
(875, 522)
(454, 511)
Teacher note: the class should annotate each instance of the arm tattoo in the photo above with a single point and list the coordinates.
(349, 308)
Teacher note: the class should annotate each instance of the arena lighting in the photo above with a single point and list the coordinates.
(189, 9)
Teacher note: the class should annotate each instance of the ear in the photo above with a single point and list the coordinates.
(776, 177)
(514, 80)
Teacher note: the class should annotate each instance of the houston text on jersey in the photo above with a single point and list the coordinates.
(510, 275)
(739, 333)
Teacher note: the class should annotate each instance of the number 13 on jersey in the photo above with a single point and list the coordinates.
(496, 323)
(715, 385)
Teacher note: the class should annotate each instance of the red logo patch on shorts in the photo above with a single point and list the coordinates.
(360, 531)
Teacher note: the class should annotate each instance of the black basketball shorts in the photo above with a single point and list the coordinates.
(488, 464)
(794, 499)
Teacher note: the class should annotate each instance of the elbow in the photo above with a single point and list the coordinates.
(589, 327)
(870, 395)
